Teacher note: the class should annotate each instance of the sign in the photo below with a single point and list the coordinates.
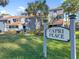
(59, 33)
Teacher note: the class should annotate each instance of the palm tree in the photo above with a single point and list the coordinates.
(38, 5)
(3, 2)
(70, 6)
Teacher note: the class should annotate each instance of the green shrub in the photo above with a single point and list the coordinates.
(21, 35)
(31, 32)
(39, 32)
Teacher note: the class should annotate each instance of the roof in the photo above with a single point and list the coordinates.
(17, 17)
(9, 17)
(57, 22)
(56, 9)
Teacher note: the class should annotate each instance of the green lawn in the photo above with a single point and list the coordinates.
(30, 47)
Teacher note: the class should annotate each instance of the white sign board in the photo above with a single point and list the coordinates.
(59, 33)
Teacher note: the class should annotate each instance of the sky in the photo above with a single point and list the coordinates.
(16, 6)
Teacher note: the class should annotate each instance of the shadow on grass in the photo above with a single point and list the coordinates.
(77, 36)
(26, 50)
(8, 38)
(31, 47)
(62, 53)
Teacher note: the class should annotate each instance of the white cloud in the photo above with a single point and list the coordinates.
(21, 9)
(4, 12)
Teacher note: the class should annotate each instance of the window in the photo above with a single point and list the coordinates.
(55, 11)
(60, 17)
(14, 20)
(9, 26)
(26, 20)
(13, 26)
(16, 26)
(9, 21)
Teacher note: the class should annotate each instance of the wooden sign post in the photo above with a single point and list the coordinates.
(45, 40)
(72, 36)
(60, 33)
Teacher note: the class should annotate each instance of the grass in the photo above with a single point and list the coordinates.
(30, 47)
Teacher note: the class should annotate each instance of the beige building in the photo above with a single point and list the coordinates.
(56, 17)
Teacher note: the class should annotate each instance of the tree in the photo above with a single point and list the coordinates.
(38, 5)
(34, 7)
(71, 6)
(3, 2)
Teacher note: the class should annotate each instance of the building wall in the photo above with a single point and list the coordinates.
(31, 24)
(23, 20)
(2, 26)
(55, 15)
(20, 27)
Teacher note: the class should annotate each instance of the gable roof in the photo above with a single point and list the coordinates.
(57, 22)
